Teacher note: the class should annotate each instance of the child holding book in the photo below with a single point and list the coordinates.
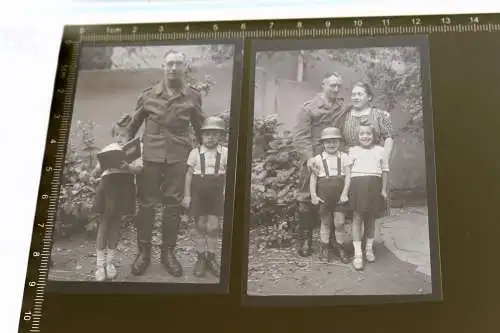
(204, 193)
(329, 187)
(115, 198)
(368, 190)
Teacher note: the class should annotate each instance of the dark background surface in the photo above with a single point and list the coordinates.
(465, 81)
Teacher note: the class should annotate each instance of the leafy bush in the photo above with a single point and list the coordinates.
(96, 57)
(77, 184)
(274, 236)
(275, 178)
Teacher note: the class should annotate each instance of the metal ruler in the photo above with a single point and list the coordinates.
(64, 87)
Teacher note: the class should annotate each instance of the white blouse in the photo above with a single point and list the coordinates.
(368, 161)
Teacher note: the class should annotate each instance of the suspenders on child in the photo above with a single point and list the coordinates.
(202, 163)
(325, 166)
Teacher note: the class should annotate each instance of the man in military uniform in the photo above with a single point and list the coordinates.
(326, 109)
(167, 110)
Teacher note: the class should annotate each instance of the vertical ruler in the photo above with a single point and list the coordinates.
(55, 147)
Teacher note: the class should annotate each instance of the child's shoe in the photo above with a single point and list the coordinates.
(370, 256)
(305, 244)
(200, 267)
(100, 274)
(357, 262)
(212, 264)
(111, 271)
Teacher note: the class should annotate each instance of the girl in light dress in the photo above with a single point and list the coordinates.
(368, 190)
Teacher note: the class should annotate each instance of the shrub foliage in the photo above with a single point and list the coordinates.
(274, 185)
(77, 184)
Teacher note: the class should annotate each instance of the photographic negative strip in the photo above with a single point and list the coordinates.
(147, 187)
(342, 198)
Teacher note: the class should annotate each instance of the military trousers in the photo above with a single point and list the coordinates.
(160, 183)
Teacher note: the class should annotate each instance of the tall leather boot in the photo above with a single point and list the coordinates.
(144, 225)
(300, 242)
(324, 253)
(305, 243)
(170, 262)
(212, 264)
(305, 231)
(309, 241)
(200, 267)
(304, 217)
(143, 259)
(170, 226)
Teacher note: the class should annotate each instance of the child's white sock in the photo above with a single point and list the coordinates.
(101, 258)
(357, 248)
(369, 244)
(211, 244)
(111, 256)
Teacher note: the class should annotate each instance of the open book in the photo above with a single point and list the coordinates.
(113, 155)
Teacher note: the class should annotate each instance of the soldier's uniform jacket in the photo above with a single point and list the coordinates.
(167, 121)
(316, 115)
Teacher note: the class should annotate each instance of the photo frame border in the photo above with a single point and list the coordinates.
(420, 41)
(109, 287)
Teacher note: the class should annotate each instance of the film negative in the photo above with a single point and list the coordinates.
(306, 145)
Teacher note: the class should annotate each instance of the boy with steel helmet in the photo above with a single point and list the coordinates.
(214, 123)
(204, 193)
(329, 186)
(330, 133)
(323, 110)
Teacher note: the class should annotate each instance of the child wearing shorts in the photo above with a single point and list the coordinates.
(329, 187)
(368, 190)
(204, 193)
(115, 198)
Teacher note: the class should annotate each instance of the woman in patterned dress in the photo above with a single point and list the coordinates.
(361, 112)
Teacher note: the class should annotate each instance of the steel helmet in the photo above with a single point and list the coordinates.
(214, 123)
(331, 133)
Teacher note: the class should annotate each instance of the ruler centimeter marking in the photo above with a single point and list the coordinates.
(307, 28)
(62, 106)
